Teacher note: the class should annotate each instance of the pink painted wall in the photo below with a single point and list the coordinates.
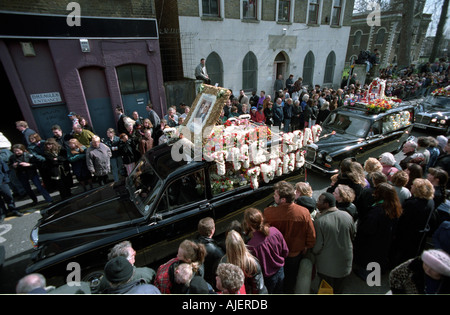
(57, 62)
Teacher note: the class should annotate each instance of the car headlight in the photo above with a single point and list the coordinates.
(434, 120)
(442, 121)
(34, 236)
(329, 159)
(320, 155)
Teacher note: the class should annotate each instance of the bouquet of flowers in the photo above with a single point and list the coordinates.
(378, 105)
(442, 92)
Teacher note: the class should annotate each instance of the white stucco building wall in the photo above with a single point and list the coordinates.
(232, 39)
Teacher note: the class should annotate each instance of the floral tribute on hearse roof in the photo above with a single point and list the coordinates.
(374, 99)
(243, 152)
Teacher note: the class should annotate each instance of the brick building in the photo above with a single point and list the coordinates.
(386, 36)
(87, 58)
(248, 43)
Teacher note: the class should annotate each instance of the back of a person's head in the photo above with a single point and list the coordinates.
(285, 190)
(304, 189)
(194, 252)
(387, 158)
(34, 282)
(400, 179)
(378, 178)
(329, 199)
(206, 226)
(422, 188)
(231, 277)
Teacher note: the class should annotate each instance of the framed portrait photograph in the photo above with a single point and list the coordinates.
(206, 108)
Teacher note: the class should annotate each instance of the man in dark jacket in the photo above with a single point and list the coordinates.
(278, 116)
(6, 198)
(287, 114)
(119, 273)
(206, 229)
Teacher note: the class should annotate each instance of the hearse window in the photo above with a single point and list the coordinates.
(142, 183)
(346, 124)
(229, 181)
(374, 129)
(186, 190)
(396, 121)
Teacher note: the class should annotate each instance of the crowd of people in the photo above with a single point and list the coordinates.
(394, 213)
(52, 164)
(384, 211)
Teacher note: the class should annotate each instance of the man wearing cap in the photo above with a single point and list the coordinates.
(119, 273)
(73, 117)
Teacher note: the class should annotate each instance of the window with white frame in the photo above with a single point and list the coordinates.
(211, 8)
(249, 9)
(313, 11)
(336, 12)
(284, 11)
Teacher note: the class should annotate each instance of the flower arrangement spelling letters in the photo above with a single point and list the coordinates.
(253, 174)
(307, 136)
(299, 158)
(219, 157)
(268, 171)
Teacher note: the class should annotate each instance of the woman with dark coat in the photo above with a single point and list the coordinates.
(351, 173)
(55, 162)
(411, 230)
(25, 165)
(375, 230)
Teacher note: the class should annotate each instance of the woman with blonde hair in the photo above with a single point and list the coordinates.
(238, 254)
(416, 221)
(351, 173)
(345, 196)
(189, 252)
(372, 165)
(304, 196)
(267, 244)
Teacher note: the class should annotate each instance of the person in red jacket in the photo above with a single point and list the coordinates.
(296, 225)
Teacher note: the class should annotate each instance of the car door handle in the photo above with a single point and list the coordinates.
(205, 206)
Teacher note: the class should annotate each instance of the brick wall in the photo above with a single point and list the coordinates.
(110, 8)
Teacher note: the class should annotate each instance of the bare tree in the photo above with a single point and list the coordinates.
(406, 33)
(439, 32)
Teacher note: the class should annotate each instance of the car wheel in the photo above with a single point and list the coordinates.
(93, 278)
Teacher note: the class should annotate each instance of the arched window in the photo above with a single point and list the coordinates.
(250, 72)
(214, 67)
(308, 69)
(380, 36)
(357, 38)
(329, 68)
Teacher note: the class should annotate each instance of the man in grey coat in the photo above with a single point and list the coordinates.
(98, 159)
(333, 250)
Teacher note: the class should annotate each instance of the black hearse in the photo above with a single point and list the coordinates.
(156, 207)
(356, 131)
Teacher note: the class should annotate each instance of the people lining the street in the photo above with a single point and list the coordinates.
(288, 222)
